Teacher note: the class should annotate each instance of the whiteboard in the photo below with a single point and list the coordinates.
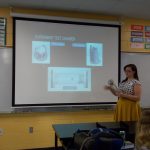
(142, 61)
(5, 79)
(6, 88)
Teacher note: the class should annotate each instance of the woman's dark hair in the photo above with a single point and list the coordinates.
(134, 68)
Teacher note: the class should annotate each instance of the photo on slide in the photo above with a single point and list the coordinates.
(69, 79)
(40, 52)
(94, 54)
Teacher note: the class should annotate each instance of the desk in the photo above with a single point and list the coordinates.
(65, 132)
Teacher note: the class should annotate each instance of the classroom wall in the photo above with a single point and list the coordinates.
(15, 127)
(5, 12)
(124, 21)
(126, 34)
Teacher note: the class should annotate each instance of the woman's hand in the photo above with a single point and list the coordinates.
(107, 87)
(119, 94)
(112, 90)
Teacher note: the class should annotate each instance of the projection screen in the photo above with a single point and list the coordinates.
(59, 62)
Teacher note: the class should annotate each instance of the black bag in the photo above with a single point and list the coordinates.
(97, 139)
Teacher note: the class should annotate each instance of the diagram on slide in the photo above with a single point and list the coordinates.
(69, 79)
(40, 52)
(94, 54)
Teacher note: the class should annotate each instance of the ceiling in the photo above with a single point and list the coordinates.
(123, 8)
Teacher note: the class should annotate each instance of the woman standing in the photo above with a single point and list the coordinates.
(128, 107)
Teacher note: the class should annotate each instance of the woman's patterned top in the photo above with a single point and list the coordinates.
(128, 86)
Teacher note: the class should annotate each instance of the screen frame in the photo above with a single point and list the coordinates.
(60, 22)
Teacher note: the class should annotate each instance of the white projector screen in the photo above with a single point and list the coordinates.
(64, 63)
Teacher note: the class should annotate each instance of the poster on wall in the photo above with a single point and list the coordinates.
(137, 45)
(140, 37)
(2, 31)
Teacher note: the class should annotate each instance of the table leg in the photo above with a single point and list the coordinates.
(56, 143)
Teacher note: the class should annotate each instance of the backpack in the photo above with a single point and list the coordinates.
(97, 139)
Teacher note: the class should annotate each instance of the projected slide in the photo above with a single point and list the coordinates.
(69, 79)
(67, 62)
(94, 54)
(40, 52)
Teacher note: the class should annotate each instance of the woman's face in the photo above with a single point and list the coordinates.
(129, 72)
